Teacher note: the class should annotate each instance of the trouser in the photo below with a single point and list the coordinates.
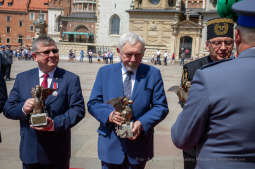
(8, 72)
(90, 59)
(165, 61)
(4, 70)
(158, 60)
(62, 165)
(124, 165)
(189, 158)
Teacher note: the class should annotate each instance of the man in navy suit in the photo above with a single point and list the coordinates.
(3, 93)
(149, 106)
(46, 147)
(218, 117)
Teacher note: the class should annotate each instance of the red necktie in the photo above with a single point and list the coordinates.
(45, 81)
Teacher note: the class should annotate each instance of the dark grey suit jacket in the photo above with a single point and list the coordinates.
(219, 116)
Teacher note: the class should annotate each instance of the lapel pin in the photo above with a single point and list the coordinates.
(55, 86)
(55, 93)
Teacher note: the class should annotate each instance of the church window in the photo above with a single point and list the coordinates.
(115, 25)
(8, 18)
(171, 3)
(8, 29)
(20, 23)
(20, 39)
(155, 2)
(31, 28)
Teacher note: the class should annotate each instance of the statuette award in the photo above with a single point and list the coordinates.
(124, 106)
(39, 114)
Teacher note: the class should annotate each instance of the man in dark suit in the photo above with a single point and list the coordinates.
(218, 117)
(220, 45)
(46, 147)
(149, 106)
(3, 93)
(3, 61)
(9, 58)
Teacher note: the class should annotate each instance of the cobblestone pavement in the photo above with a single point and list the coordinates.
(84, 135)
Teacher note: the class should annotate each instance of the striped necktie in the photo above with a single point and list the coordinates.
(127, 85)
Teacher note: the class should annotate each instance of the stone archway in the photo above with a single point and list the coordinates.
(81, 28)
(81, 38)
(186, 46)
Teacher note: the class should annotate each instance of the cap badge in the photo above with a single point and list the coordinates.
(220, 29)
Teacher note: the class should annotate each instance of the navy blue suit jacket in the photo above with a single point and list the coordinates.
(66, 109)
(219, 116)
(149, 107)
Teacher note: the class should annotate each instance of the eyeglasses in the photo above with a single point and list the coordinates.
(217, 44)
(46, 52)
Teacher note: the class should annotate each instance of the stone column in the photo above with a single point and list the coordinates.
(178, 5)
(204, 4)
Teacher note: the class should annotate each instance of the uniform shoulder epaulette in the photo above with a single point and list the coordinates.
(215, 63)
(196, 62)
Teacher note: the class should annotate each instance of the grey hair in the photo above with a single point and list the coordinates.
(131, 38)
(248, 34)
(45, 40)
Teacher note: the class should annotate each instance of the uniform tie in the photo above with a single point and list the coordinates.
(127, 85)
(45, 81)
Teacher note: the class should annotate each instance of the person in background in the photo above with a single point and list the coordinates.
(182, 55)
(158, 57)
(9, 61)
(173, 58)
(165, 57)
(111, 57)
(81, 55)
(90, 54)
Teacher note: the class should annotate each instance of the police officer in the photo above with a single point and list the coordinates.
(218, 117)
(9, 56)
(220, 45)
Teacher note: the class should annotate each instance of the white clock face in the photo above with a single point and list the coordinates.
(154, 1)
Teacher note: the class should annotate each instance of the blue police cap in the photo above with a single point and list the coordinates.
(246, 13)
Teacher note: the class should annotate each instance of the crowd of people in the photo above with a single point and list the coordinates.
(166, 58)
(99, 57)
(215, 128)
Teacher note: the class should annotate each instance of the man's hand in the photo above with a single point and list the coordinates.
(48, 127)
(137, 129)
(28, 105)
(116, 118)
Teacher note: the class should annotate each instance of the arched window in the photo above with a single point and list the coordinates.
(115, 25)
(171, 3)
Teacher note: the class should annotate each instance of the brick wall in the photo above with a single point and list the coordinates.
(16, 29)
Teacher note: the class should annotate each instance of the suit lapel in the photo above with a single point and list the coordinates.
(55, 84)
(138, 81)
(35, 78)
(117, 75)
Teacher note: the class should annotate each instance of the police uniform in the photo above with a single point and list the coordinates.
(213, 30)
(218, 117)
